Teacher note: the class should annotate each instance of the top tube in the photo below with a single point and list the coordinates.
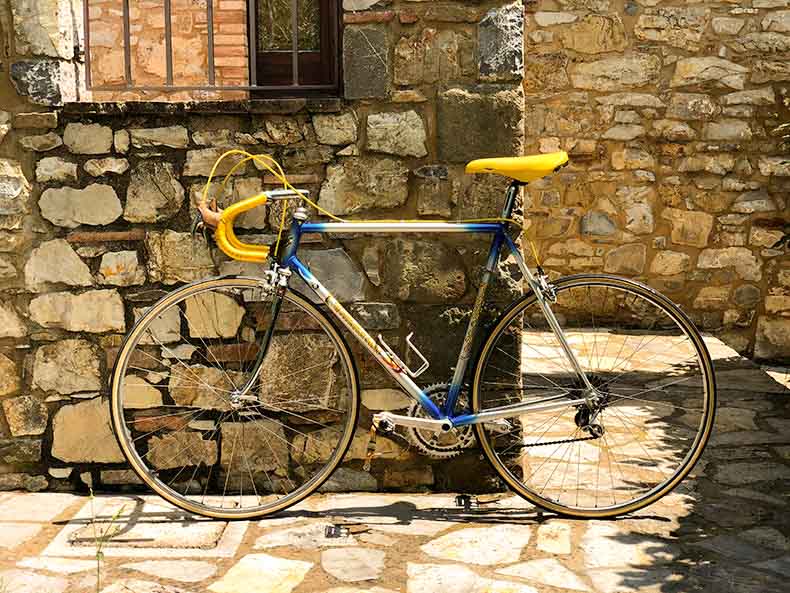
(403, 227)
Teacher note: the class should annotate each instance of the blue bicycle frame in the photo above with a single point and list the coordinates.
(499, 230)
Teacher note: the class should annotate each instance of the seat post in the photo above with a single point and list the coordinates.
(510, 197)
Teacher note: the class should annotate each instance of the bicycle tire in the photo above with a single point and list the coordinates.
(125, 438)
(705, 424)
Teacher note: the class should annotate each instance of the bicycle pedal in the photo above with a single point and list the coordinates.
(336, 531)
(466, 502)
(371, 448)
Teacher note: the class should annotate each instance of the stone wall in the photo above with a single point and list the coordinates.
(97, 200)
(672, 112)
(669, 111)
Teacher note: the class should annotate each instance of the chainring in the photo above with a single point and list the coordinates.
(439, 445)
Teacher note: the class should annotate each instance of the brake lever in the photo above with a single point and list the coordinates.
(198, 226)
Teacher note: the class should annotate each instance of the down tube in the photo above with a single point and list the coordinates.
(474, 321)
(409, 386)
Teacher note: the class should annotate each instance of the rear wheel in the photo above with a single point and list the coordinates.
(651, 410)
(192, 433)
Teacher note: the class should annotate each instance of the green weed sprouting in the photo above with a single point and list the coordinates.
(100, 539)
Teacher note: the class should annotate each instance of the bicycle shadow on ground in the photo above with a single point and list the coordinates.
(724, 530)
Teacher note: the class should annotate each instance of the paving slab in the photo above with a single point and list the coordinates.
(457, 578)
(482, 545)
(57, 565)
(546, 571)
(309, 536)
(186, 571)
(353, 564)
(135, 527)
(16, 534)
(25, 581)
(555, 538)
(261, 573)
(40, 507)
(140, 586)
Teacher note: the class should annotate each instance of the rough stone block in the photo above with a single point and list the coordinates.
(25, 415)
(154, 193)
(45, 120)
(11, 323)
(616, 74)
(55, 262)
(54, 168)
(105, 166)
(41, 142)
(170, 136)
(501, 43)
(402, 134)
(746, 265)
(20, 451)
(432, 56)
(628, 260)
(82, 433)
(38, 79)
(337, 271)
(773, 338)
(717, 71)
(97, 204)
(87, 138)
(366, 62)
(689, 228)
(121, 268)
(174, 257)
(335, 129)
(479, 122)
(361, 183)
(422, 271)
(95, 311)
(14, 188)
(9, 376)
(595, 34)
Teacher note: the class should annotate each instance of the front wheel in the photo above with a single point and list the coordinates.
(206, 432)
(651, 409)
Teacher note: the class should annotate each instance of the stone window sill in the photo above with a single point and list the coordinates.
(263, 106)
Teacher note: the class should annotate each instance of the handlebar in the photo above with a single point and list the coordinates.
(226, 237)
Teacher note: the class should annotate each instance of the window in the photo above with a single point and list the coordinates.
(296, 43)
(270, 47)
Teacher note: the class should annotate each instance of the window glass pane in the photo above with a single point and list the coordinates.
(275, 26)
(309, 25)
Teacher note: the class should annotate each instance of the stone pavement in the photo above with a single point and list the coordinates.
(725, 530)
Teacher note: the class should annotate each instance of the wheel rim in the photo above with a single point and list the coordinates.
(649, 365)
(195, 438)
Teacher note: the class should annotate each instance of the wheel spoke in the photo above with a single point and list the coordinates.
(650, 393)
(209, 447)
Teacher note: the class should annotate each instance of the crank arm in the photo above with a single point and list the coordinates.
(414, 422)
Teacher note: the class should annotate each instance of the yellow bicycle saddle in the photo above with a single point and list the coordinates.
(521, 168)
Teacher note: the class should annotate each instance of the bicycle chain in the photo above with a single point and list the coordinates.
(589, 438)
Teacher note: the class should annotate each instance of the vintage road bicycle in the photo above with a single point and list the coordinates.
(235, 397)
